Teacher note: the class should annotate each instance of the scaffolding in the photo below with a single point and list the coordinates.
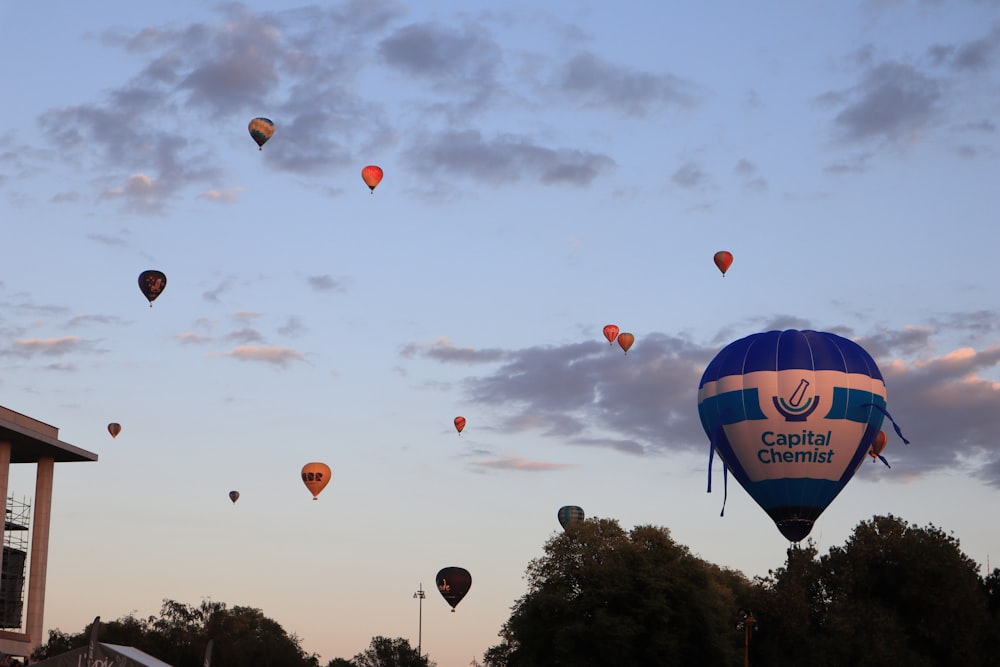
(15, 558)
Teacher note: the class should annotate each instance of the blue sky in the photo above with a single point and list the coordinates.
(548, 170)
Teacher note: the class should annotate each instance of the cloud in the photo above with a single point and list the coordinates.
(325, 283)
(446, 351)
(49, 347)
(588, 80)
(503, 160)
(279, 356)
(188, 338)
(520, 464)
(224, 196)
(585, 395)
(689, 175)
(893, 102)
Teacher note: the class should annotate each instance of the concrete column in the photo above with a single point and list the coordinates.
(40, 521)
(4, 473)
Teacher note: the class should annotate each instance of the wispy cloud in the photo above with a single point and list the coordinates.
(277, 356)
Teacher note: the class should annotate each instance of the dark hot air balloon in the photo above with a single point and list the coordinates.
(234, 496)
(453, 583)
(114, 429)
(792, 414)
(570, 515)
(152, 283)
(261, 130)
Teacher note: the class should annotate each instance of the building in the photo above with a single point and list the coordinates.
(27, 440)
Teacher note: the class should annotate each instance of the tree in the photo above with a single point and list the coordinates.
(893, 594)
(601, 596)
(340, 662)
(241, 637)
(385, 652)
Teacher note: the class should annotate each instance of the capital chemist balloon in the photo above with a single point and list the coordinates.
(792, 414)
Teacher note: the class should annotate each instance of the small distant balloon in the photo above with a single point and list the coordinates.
(459, 424)
(372, 176)
(261, 130)
(570, 515)
(234, 496)
(152, 283)
(878, 444)
(316, 476)
(453, 583)
(625, 340)
(611, 332)
(723, 260)
(114, 429)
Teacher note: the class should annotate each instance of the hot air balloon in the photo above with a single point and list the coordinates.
(114, 429)
(459, 424)
(151, 283)
(792, 414)
(875, 450)
(234, 496)
(261, 130)
(625, 340)
(611, 332)
(453, 583)
(372, 176)
(315, 476)
(723, 260)
(569, 515)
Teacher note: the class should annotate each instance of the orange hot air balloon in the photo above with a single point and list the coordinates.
(316, 476)
(626, 340)
(611, 332)
(459, 424)
(114, 429)
(723, 260)
(372, 176)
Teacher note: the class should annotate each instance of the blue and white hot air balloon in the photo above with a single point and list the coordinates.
(792, 414)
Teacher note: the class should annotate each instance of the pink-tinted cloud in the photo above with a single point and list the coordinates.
(279, 356)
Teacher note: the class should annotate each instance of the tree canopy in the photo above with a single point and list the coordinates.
(601, 596)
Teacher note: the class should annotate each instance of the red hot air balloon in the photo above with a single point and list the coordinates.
(611, 332)
(453, 583)
(114, 429)
(152, 283)
(372, 176)
(459, 424)
(261, 130)
(625, 340)
(723, 260)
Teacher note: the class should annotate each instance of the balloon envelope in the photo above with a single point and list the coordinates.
(625, 340)
(611, 332)
(569, 515)
(372, 176)
(261, 130)
(453, 583)
(152, 283)
(792, 414)
(459, 423)
(723, 260)
(234, 496)
(316, 476)
(114, 429)
(878, 444)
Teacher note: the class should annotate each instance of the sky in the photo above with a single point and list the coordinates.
(549, 169)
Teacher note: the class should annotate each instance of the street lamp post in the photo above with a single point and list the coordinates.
(420, 618)
(747, 624)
